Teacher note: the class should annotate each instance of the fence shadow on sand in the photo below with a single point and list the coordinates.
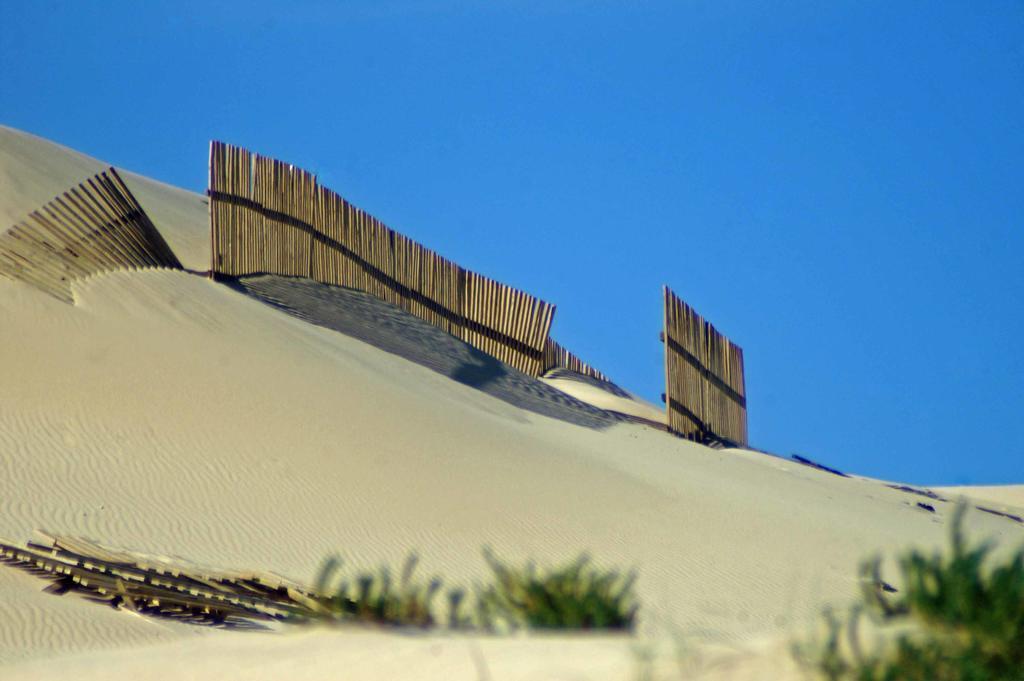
(389, 328)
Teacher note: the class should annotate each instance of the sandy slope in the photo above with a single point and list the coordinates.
(1005, 498)
(604, 395)
(176, 416)
(34, 170)
(359, 654)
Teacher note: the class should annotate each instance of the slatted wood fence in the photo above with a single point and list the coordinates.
(94, 227)
(557, 357)
(160, 589)
(705, 389)
(270, 217)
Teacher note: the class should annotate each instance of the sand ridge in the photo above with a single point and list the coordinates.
(172, 415)
(1004, 498)
(34, 170)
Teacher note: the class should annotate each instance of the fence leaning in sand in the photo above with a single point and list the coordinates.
(270, 217)
(705, 389)
(557, 357)
(95, 227)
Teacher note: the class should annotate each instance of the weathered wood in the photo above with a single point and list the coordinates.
(705, 386)
(95, 227)
(158, 588)
(558, 357)
(269, 217)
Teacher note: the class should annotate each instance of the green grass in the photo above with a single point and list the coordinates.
(575, 596)
(375, 598)
(957, 618)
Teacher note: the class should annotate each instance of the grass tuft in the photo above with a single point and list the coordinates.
(375, 598)
(577, 596)
(956, 618)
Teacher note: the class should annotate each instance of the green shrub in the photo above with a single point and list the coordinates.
(577, 596)
(956, 619)
(375, 598)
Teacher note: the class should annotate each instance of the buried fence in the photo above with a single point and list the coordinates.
(269, 217)
(556, 356)
(95, 227)
(705, 391)
(154, 587)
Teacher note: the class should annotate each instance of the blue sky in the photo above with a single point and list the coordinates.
(836, 186)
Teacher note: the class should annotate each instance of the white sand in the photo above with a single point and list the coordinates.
(175, 416)
(34, 170)
(606, 396)
(1005, 498)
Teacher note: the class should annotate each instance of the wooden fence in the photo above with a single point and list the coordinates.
(270, 217)
(557, 357)
(94, 227)
(705, 390)
(157, 588)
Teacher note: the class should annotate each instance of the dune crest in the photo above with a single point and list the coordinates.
(176, 416)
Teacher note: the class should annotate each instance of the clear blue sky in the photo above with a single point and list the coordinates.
(837, 186)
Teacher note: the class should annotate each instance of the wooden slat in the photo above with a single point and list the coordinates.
(287, 224)
(704, 383)
(558, 357)
(160, 588)
(95, 227)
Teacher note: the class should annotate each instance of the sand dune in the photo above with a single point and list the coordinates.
(1005, 498)
(176, 416)
(604, 395)
(34, 170)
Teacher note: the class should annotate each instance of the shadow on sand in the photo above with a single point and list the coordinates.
(393, 330)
